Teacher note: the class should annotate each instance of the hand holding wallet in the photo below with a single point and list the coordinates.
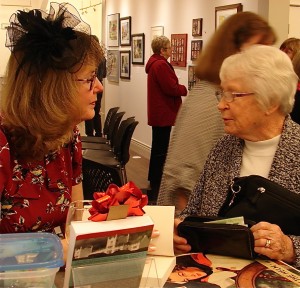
(214, 238)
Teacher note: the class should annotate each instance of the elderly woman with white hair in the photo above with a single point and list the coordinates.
(258, 88)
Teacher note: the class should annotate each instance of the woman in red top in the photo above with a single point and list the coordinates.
(164, 100)
(50, 86)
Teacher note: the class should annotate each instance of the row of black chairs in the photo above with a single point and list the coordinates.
(105, 158)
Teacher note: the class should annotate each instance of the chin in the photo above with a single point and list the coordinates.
(88, 116)
(229, 131)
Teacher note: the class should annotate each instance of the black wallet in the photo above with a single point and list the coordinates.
(221, 239)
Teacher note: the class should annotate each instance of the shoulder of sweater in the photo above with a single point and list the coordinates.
(226, 141)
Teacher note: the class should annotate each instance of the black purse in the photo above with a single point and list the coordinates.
(221, 239)
(260, 199)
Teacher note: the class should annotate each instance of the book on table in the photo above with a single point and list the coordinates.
(160, 262)
(108, 253)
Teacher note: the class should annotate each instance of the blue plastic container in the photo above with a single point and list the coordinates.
(29, 259)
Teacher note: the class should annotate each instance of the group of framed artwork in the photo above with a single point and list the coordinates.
(119, 34)
(221, 13)
(196, 47)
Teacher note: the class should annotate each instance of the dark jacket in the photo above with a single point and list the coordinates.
(164, 92)
(101, 72)
(295, 114)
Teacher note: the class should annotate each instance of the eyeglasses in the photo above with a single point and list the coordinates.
(229, 96)
(90, 80)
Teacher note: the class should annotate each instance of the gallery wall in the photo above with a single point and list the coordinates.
(294, 27)
(176, 18)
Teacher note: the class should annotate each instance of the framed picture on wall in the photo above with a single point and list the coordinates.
(197, 27)
(125, 64)
(191, 76)
(138, 48)
(178, 45)
(156, 31)
(222, 12)
(113, 29)
(196, 47)
(113, 65)
(125, 31)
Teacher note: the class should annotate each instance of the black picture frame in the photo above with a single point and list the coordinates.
(196, 47)
(125, 31)
(197, 27)
(125, 64)
(138, 48)
(191, 77)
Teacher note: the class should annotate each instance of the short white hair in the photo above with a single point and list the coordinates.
(266, 71)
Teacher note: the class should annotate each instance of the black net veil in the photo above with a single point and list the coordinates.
(54, 40)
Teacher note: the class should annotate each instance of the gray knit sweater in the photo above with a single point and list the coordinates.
(224, 162)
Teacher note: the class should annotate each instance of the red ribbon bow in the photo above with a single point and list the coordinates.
(128, 194)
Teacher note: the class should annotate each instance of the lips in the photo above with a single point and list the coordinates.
(226, 120)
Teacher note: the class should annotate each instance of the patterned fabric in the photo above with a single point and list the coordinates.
(197, 128)
(224, 163)
(35, 195)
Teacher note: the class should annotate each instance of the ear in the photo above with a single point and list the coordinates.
(273, 108)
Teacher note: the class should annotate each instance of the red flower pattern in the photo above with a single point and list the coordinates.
(35, 195)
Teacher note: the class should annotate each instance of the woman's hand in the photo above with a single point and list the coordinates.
(155, 234)
(270, 241)
(180, 243)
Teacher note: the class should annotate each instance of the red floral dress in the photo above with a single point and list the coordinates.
(35, 195)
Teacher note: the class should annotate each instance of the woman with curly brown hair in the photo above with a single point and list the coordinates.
(50, 87)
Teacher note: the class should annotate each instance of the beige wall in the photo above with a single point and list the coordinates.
(294, 27)
(176, 17)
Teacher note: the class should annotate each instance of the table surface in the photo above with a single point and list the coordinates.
(231, 272)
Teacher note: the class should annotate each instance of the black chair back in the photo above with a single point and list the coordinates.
(115, 126)
(119, 138)
(97, 177)
(112, 123)
(125, 155)
(109, 114)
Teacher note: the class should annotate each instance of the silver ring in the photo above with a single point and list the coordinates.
(268, 243)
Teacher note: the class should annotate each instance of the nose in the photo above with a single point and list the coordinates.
(222, 105)
(98, 87)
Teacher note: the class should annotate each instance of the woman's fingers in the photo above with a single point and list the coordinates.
(270, 241)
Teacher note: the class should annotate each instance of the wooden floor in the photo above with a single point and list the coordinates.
(137, 170)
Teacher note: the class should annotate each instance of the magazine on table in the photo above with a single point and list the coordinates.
(200, 270)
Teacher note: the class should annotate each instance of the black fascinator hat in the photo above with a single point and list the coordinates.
(54, 40)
